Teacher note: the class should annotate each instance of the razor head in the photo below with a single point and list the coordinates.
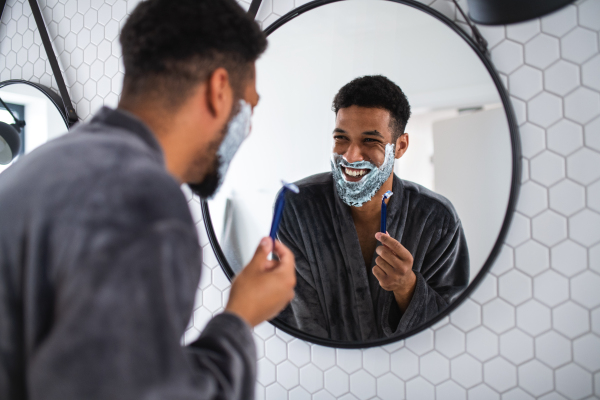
(290, 186)
(387, 195)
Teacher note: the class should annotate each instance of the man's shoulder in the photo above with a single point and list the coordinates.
(315, 185)
(425, 197)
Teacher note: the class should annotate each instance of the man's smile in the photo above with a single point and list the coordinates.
(354, 174)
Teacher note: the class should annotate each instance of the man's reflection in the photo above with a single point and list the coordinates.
(354, 283)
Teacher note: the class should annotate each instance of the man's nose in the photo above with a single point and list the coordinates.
(353, 154)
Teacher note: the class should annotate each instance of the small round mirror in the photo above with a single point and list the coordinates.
(39, 107)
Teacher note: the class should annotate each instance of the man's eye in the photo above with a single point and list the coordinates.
(339, 137)
(368, 140)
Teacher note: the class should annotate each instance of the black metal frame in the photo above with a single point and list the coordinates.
(512, 201)
(50, 94)
(63, 101)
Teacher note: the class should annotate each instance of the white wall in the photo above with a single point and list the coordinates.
(531, 329)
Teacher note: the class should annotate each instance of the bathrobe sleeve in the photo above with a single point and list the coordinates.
(305, 311)
(127, 268)
(442, 276)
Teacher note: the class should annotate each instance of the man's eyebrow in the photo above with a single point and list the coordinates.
(373, 133)
(339, 130)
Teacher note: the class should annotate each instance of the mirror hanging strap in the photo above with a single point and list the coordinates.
(62, 87)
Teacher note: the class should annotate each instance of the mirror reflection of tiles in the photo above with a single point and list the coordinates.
(335, 199)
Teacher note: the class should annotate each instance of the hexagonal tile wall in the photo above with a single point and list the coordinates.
(531, 329)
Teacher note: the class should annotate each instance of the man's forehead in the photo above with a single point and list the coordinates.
(355, 119)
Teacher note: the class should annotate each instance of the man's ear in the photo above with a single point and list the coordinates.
(219, 94)
(401, 145)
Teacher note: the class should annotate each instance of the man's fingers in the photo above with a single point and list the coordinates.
(285, 255)
(393, 245)
(379, 273)
(387, 268)
(262, 252)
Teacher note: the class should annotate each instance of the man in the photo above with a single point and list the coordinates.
(355, 283)
(99, 257)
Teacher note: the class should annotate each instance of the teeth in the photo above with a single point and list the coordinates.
(358, 172)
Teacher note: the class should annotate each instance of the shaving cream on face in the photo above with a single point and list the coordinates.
(238, 129)
(355, 194)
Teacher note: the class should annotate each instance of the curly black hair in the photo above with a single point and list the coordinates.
(169, 46)
(376, 91)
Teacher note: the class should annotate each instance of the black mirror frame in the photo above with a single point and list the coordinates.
(512, 201)
(50, 94)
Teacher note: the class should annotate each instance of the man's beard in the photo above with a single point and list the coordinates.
(232, 134)
(355, 194)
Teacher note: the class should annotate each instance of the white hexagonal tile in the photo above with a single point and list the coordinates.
(419, 388)
(570, 319)
(578, 166)
(553, 349)
(523, 31)
(567, 197)
(589, 14)
(264, 330)
(542, 51)
(405, 364)
(363, 385)
(275, 392)
(532, 258)
(499, 374)
(517, 394)
(390, 387)
(585, 289)
(579, 45)
(265, 372)
(545, 109)
(565, 137)
(568, 258)
(551, 288)
(582, 105)
(593, 196)
(533, 199)
(589, 72)
(595, 258)
(519, 107)
(533, 317)
(486, 290)
(435, 367)
(297, 393)
(549, 228)
(468, 371)
(288, 375)
(493, 34)
(420, 343)
(547, 168)
(450, 391)
(311, 378)
(507, 56)
(467, 316)
(350, 360)
(533, 140)
(498, 315)
(520, 230)
(586, 352)
(584, 227)
(573, 381)
(525, 82)
(483, 392)
(536, 378)
(298, 352)
(504, 262)
(515, 287)
(376, 361)
(560, 22)
(337, 382)
(592, 134)
(516, 346)
(450, 341)
(275, 350)
(323, 357)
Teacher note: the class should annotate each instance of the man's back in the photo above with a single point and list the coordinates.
(82, 296)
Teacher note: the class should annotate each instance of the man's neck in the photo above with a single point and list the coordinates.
(372, 208)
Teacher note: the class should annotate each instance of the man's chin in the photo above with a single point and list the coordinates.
(207, 188)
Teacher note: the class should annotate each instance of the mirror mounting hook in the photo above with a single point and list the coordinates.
(477, 36)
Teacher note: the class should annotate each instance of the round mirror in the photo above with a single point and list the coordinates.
(332, 119)
(39, 107)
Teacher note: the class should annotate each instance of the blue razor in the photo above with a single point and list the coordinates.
(387, 195)
(279, 207)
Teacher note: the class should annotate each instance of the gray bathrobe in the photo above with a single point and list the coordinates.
(337, 296)
(99, 265)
